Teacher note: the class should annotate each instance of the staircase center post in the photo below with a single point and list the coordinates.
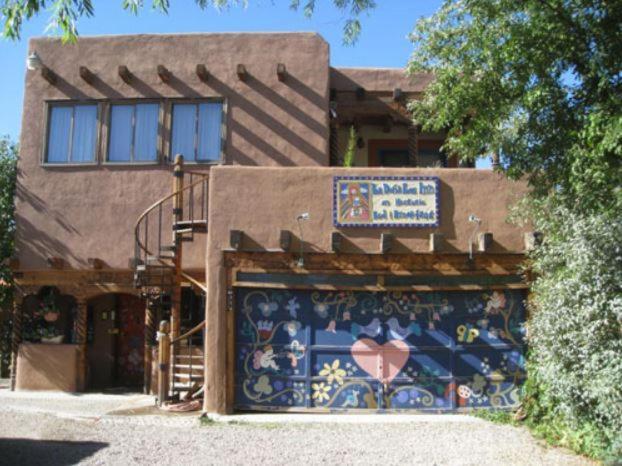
(178, 214)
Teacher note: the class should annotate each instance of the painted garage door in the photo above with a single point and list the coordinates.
(438, 351)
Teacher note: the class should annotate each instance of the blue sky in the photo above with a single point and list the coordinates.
(383, 41)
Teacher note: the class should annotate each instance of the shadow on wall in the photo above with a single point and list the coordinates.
(35, 452)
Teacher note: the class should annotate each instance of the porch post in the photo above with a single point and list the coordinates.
(413, 150)
(16, 336)
(150, 329)
(178, 186)
(81, 329)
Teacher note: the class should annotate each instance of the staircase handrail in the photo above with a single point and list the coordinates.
(189, 333)
(202, 179)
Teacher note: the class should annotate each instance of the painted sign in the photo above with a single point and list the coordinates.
(386, 201)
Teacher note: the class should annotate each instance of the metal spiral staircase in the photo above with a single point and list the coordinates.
(160, 233)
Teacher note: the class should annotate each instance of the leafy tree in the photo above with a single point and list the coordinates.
(537, 81)
(66, 13)
(8, 174)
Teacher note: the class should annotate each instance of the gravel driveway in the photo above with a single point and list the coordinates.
(59, 429)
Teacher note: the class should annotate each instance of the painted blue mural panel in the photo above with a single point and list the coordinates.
(378, 350)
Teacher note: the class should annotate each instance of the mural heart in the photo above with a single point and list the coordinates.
(383, 362)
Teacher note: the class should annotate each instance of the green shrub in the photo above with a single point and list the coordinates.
(348, 157)
(574, 393)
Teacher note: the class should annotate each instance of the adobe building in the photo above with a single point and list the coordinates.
(195, 184)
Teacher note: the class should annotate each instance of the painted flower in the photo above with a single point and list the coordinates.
(496, 303)
(321, 309)
(265, 328)
(268, 308)
(292, 327)
(333, 372)
(346, 315)
(293, 306)
(263, 385)
(446, 309)
(320, 391)
(478, 384)
(265, 359)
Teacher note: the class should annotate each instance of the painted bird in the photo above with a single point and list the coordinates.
(398, 333)
(373, 329)
(352, 400)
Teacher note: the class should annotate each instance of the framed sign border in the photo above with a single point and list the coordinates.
(435, 179)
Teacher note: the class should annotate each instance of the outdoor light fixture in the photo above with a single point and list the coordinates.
(301, 218)
(477, 221)
(33, 62)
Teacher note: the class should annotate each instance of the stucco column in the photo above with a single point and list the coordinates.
(216, 377)
(413, 150)
(81, 329)
(150, 330)
(16, 336)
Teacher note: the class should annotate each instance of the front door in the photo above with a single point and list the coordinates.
(435, 351)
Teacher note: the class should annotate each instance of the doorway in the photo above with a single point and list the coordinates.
(115, 339)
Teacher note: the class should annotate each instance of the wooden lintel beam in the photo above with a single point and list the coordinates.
(235, 239)
(125, 74)
(87, 75)
(386, 242)
(48, 75)
(281, 71)
(164, 74)
(241, 72)
(335, 241)
(202, 73)
(285, 240)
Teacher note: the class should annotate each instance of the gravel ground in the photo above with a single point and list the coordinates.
(59, 429)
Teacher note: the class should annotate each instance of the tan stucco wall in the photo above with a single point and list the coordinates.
(89, 211)
(378, 79)
(47, 367)
(268, 200)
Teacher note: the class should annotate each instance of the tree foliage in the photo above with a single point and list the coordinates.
(538, 82)
(8, 175)
(64, 14)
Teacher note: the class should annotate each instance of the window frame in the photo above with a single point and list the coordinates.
(107, 124)
(223, 128)
(49, 105)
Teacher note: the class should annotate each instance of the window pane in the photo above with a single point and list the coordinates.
(210, 118)
(184, 130)
(84, 133)
(58, 136)
(146, 132)
(120, 133)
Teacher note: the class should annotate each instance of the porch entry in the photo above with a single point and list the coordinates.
(389, 350)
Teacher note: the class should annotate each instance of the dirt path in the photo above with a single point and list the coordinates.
(61, 429)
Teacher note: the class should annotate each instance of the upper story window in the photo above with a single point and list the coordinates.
(196, 131)
(72, 134)
(133, 132)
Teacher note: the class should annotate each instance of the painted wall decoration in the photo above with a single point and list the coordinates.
(379, 350)
(386, 201)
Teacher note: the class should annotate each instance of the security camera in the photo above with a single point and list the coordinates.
(303, 216)
(474, 219)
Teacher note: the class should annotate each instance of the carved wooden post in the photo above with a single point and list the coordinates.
(164, 345)
(150, 330)
(413, 150)
(81, 329)
(16, 337)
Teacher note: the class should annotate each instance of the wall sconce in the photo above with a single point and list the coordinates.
(360, 143)
(477, 221)
(33, 62)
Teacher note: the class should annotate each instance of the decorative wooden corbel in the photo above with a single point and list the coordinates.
(87, 75)
(125, 74)
(484, 241)
(241, 72)
(285, 240)
(202, 73)
(435, 241)
(281, 71)
(96, 263)
(335, 241)
(164, 74)
(386, 242)
(56, 262)
(235, 239)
